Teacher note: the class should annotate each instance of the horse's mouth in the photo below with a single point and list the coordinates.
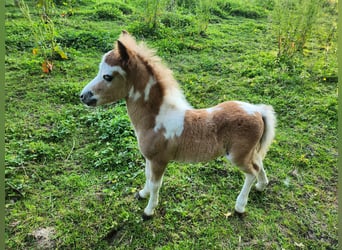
(90, 102)
(88, 98)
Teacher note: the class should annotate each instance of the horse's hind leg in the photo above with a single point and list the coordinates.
(262, 180)
(254, 170)
(153, 184)
(242, 199)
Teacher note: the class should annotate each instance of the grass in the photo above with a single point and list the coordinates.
(76, 170)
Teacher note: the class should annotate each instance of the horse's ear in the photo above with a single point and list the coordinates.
(124, 32)
(123, 51)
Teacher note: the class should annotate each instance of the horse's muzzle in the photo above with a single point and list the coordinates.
(88, 98)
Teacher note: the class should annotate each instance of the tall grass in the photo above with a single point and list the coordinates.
(203, 14)
(292, 24)
(154, 10)
(43, 32)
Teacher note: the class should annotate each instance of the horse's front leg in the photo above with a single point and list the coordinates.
(145, 192)
(154, 178)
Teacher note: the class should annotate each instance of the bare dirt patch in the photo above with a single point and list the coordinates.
(43, 238)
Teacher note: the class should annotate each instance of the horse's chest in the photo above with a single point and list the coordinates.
(154, 145)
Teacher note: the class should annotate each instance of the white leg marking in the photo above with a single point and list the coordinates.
(146, 190)
(230, 157)
(242, 199)
(261, 178)
(154, 187)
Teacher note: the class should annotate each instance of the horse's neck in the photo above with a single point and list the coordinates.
(143, 111)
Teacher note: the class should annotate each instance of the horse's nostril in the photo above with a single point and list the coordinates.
(88, 99)
(86, 96)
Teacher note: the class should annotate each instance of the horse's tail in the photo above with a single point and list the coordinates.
(269, 118)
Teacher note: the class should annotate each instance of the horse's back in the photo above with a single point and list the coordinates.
(209, 133)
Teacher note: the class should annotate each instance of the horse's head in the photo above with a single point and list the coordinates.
(111, 83)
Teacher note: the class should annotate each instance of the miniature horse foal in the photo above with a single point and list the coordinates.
(168, 128)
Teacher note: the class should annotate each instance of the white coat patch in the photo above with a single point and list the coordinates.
(213, 109)
(148, 87)
(134, 95)
(171, 114)
(248, 108)
(172, 120)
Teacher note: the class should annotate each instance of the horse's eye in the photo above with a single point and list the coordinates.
(108, 78)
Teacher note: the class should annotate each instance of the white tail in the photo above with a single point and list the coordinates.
(269, 118)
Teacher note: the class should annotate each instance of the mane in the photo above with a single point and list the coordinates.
(162, 74)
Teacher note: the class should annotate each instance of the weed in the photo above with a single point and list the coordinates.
(246, 9)
(292, 23)
(115, 136)
(106, 11)
(203, 15)
(176, 20)
(44, 34)
(100, 40)
(152, 12)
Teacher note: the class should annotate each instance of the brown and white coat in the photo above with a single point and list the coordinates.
(169, 129)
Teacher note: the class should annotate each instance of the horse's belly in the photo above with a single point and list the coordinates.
(198, 153)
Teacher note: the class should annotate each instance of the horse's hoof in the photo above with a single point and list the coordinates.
(146, 217)
(260, 187)
(240, 215)
(137, 196)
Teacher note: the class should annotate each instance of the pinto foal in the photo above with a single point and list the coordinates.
(168, 128)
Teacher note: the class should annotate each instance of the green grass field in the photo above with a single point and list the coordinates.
(71, 172)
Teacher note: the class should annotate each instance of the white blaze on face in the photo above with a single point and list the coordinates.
(104, 69)
(171, 114)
